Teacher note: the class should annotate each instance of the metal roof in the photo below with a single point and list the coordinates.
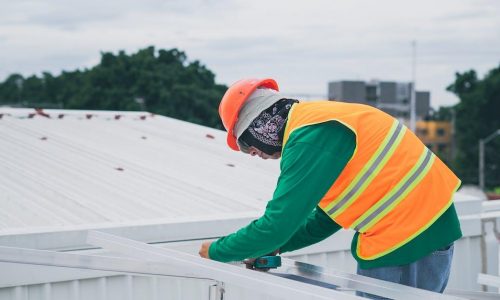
(156, 180)
(70, 170)
(142, 271)
(65, 169)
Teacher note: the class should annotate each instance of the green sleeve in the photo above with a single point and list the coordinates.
(316, 228)
(312, 160)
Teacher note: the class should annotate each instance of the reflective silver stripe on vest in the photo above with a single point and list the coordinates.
(398, 193)
(369, 172)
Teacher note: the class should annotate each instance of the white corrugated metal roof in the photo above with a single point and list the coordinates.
(63, 169)
(80, 168)
(149, 178)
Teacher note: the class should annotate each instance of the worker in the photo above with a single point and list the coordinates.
(343, 165)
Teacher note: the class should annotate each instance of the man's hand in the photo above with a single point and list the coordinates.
(204, 249)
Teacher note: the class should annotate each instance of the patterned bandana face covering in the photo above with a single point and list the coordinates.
(266, 131)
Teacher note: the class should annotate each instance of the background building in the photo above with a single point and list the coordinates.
(394, 98)
(437, 136)
(390, 96)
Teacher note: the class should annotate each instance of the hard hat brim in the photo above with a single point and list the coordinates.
(231, 141)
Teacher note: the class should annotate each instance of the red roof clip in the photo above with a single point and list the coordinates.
(39, 111)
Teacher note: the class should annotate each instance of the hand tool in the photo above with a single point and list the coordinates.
(267, 262)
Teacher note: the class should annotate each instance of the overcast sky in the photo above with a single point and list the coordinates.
(302, 44)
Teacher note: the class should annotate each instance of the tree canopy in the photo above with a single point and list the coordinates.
(477, 116)
(162, 82)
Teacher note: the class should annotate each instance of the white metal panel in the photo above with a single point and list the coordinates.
(147, 252)
(140, 288)
(14, 274)
(335, 253)
(58, 173)
(179, 229)
(205, 268)
(177, 266)
(160, 262)
(489, 280)
(465, 267)
(119, 287)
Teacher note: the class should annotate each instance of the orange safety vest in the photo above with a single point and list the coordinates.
(392, 188)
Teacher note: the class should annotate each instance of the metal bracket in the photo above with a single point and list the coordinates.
(216, 291)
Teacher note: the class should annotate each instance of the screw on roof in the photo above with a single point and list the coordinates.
(119, 169)
(230, 165)
(117, 117)
(60, 116)
(209, 136)
(40, 112)
(89, 116)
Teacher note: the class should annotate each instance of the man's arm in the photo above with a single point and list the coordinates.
(317, 227)
(312, 160)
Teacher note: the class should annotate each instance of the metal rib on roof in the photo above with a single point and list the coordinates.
(79, 170)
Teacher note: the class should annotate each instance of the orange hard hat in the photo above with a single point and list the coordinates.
(233, 101)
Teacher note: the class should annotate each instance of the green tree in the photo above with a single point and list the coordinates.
(477, 116)
(162, 82)
(11, 89)
(444, 113)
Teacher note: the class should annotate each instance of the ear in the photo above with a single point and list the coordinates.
(253, 150)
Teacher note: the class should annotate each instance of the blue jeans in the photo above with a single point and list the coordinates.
(429, 273)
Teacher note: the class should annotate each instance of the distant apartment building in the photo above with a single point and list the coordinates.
(394, 98)
(437, 136)
(391, 97)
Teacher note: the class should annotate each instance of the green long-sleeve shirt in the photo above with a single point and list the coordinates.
(313, 158)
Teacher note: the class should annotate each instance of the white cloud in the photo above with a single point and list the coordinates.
(303, 44)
